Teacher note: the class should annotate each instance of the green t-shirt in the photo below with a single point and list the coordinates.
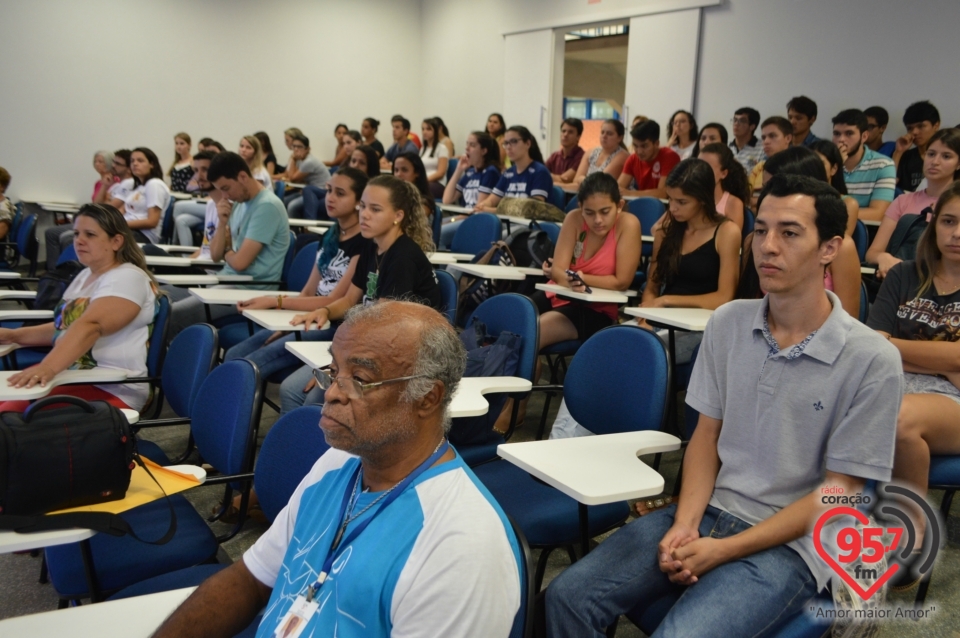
(262, 219)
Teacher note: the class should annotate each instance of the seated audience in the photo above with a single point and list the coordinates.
(392, 266)
(187, 215)
(6, 206)
(366, 160)
(251, 237)
(842, 275)
(410, 169)
(601, 244)
(368, 130)
(104, 319)
(648, 165)
(401, 141)
(916, 311)
(607, 158)
(741, 529)
(385, 420)
(304, 169)
(802, 113)
(474, 179)
(252, 154)
(181, 171)
(435, 156)
(336, 262)
(269, 158)
(870, 177)
(103, 164)
(288, 136)
(731, 188)
(922, 120)
(877, 120)
(338, 132)
(351, 142)
(712, 133)
(527, 177)
(745, 144)
(496, 127)
(776, 135)
(833, 163)
(563, 163)
(147, 199)
(58, 237)
(941, 167)
(683, 133)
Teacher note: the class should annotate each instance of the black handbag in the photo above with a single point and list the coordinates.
(58, 458)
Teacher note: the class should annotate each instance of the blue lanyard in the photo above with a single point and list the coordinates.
(333, 552)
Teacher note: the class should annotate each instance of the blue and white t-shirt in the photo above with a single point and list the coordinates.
(441, 560)
(475, 182)
(534, 181)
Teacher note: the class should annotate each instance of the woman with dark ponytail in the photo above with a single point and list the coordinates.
(527, 177)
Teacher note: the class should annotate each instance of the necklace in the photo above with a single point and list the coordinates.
(344, 231)
(953, 289)
(356, 493)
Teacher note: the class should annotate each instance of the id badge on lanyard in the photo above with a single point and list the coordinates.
(296, 619)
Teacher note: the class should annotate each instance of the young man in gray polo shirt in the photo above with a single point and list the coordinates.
(794, 395)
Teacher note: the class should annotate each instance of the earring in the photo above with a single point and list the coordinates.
(396, 221)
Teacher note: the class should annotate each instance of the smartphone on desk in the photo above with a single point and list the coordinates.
(572, 274)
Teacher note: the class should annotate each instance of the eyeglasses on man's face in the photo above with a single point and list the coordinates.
(350, 386)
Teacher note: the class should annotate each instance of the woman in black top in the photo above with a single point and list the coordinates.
(269, 158)
(695, 260)
(369, 130)
(918, 310)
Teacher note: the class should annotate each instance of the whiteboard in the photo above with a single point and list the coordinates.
(662, 66)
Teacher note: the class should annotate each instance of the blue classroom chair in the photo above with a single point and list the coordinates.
(476, 234)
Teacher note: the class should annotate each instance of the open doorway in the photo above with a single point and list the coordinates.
(595, 77)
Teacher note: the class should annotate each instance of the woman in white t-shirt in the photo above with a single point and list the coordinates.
(683, 134)
(104, 319)
(435, 156)
(144, 206)
(252, 154)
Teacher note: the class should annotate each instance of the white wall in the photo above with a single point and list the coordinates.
(80, 76)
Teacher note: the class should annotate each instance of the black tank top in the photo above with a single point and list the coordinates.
(698, 272)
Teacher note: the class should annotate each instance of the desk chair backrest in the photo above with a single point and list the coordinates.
(158, 337)
(448, 295)
(476, 234)
(552, 229)
(517, 314)
(302, 267)
(288, 258)
(314, 202)
(572, 205)
(166, 227)
(225, 416)
(437, 224)
(861, 239)
(290, 449)
(452, 167)
(27, 242)
(15, 222)
(557, 197)
(749, 221)
(523, 621)
(617, 381)
(68, 254)
(648, 210)
(189, 360)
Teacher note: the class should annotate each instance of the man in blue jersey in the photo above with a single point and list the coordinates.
(389, 533)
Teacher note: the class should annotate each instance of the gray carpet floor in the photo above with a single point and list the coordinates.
(21, 593)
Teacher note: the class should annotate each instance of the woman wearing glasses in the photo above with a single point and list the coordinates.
(527, 177)
(394, 265)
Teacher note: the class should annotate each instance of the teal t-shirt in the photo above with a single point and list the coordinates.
(262, 219)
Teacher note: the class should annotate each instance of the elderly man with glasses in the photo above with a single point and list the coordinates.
(388, 534)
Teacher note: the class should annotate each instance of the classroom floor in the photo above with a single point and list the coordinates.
(20, 592)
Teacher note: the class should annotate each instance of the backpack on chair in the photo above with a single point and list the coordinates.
(475, 290)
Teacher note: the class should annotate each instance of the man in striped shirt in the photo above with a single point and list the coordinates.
(870, 176)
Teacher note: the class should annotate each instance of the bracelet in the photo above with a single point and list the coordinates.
(280, 302)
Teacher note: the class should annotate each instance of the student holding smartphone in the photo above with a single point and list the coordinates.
(599, 247)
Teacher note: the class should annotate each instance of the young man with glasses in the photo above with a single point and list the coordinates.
(745, 145)
(387, 529)
(305, 169)
(795, 397)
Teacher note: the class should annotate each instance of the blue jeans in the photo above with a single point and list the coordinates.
(274, 357)
(186, 217)
(292, 395)
(294, 204)
(447, 231)
(752, 596)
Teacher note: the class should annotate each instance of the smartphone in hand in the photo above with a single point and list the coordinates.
(572, 274)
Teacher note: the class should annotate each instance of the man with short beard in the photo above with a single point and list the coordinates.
(870, 176)
(388, 534)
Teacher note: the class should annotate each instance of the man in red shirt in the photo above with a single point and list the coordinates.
(563, 164)
(649, 164)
